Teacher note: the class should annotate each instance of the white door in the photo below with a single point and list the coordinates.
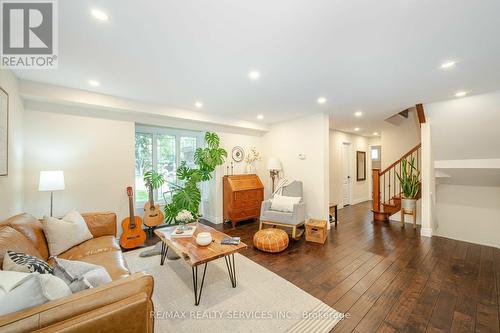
(346, 176)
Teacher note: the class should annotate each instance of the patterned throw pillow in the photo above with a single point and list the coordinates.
(22, 262)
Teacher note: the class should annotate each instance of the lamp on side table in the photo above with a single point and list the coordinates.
(51, 181)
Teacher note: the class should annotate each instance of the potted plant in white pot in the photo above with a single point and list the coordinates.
(410, 184)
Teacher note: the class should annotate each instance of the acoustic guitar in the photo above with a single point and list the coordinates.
(153, 215)
(133, 235)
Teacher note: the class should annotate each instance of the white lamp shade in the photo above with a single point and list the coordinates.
(51, 181)
(273, 164)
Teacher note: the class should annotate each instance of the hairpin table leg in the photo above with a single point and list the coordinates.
(231, 268)
(197, 293)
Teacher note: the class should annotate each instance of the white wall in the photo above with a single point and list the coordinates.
(466, 128)
(469, 213)
(360, 189)
(96, 155)
(212, 205)
(11, 186)
(308, 135)
(398, 140)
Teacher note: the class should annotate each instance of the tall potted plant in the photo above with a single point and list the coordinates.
(186, 195)
(409, 179)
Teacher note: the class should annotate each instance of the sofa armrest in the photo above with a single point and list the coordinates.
(97, 307)
(101, 224)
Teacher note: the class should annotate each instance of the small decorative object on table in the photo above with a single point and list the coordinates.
(183, 217)
(316, 231)
(204, 238)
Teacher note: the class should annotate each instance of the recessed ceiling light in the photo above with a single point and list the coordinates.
(99, 14)
(260, 117)
(375, 133)
(321, 100)
(94, 83)
(358, 113)
(356, 129)
(448, 64)
(460, 94)
(199, 105)
(254, 75)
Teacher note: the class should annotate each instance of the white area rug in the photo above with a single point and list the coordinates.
(261, 302)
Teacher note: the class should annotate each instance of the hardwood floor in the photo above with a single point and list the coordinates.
(389, 279)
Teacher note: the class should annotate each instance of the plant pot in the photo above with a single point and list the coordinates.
(408, 204)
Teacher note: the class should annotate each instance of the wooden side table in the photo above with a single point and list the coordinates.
(333, 213)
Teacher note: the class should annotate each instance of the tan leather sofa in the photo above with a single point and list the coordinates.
(123, 305)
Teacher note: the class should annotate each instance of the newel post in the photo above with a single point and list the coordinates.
(376, 189)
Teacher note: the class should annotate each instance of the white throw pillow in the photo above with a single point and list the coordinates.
(284, 204)
(63, 234)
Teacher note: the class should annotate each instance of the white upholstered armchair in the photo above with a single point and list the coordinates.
(293, 219)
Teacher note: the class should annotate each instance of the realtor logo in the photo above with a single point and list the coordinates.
(29, 34)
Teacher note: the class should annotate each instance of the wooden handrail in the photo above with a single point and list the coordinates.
(414, 149)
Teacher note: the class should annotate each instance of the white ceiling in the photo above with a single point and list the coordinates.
(377, 56)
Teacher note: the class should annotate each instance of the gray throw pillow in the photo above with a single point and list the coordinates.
(25, 295)
(80, 275)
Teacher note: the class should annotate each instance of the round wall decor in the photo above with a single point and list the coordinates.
(238, 154)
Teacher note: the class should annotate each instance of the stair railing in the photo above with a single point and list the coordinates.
(386, 185)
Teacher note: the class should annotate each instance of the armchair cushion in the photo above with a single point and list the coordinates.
(283, 203)
(297, 217)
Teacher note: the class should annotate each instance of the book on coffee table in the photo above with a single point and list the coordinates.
(184, 233)
(230, 241)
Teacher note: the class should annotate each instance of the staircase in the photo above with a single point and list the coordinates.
(386, 187)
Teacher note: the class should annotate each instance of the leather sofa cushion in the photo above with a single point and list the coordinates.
(91, 247)
(32, 229)
(101, 224)
(113, 261)
(11, 239)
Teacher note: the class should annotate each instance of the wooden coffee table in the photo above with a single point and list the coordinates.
(196, 255)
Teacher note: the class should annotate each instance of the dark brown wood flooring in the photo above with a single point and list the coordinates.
(390, 279)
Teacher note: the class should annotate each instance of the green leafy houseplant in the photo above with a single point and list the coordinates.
(153, 180)
(187, 195)
(409, 178)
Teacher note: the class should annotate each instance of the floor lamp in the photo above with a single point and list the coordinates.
(274, 167)
(51, 181)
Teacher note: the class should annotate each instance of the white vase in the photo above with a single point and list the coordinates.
(249, 168)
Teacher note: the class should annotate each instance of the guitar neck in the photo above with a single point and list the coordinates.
(131, 211)
(151, 198)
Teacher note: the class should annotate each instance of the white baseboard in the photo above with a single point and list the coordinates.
(357, 201)
(426, 232)
(213, 219)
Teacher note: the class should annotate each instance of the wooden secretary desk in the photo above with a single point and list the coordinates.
(243, 195)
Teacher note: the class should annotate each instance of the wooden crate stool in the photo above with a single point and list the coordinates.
(316, 231)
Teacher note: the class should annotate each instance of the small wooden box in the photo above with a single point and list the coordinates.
(316, 231)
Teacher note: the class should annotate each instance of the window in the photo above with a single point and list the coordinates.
(375, 153)
(162, 149)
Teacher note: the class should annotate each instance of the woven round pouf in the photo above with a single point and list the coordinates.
(270, 240)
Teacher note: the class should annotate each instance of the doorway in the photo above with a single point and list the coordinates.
(346, 174)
